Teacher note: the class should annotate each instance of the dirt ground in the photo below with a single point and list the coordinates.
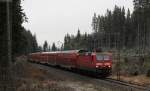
(33, 77)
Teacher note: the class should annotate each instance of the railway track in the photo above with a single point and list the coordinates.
(113, 85)
(127, 86)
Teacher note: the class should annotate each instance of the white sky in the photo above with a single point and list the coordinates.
(51, 19)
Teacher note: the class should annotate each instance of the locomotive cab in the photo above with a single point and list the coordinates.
(103, 62)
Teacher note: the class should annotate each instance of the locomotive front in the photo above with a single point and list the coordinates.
(103, 63)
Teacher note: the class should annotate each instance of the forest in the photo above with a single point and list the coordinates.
(117, 29)
(23, 41)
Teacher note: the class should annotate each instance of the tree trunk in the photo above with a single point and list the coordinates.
(6, 81)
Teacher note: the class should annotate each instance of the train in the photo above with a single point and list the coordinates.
(99, 63)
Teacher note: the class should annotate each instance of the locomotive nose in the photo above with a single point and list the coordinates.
(103, 65)
(107, 64)
(103, 61)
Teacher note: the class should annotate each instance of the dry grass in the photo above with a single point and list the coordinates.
(32, 78)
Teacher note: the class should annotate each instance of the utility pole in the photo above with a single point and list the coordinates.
(9, 31)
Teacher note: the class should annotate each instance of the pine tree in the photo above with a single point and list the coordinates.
(67, 42)
(94, 23)
(78, 36)
(34, 43)
(18, 17)
(49, 48)
(54, 48)
(45, 46)
(3, 35)
(40, 49)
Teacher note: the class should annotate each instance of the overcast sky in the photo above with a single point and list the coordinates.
(51, 19)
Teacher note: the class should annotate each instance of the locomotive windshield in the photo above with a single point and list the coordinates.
(101, 57)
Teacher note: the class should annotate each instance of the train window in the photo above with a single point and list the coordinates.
(106, 57)
(99, 57)
(102, 57)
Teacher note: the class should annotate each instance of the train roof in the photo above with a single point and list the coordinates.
(74, 51)
(107, 53)
(71, 51)
(68, 51)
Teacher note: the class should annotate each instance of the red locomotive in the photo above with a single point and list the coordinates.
(99, 63)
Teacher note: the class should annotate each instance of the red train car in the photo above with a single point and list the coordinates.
(96, 62)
